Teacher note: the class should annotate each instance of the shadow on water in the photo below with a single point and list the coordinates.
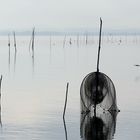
(65, 128)
(9, 61)
(0, 114)
(33, 62)
(99, 127)
(15, 58)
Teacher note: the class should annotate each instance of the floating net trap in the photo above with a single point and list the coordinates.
(97, 90)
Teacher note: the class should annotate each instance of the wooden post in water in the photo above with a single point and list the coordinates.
(9, 51)
(9, 59)
(33, 36)
(0, 85)
(97, 78)
(14, 41)
(99, 48)
(66, 100)
(0, 100)
(31, 44)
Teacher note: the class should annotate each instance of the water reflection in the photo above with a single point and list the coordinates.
(65, 128)
(33, 62)
(15, 57)
(0, 113)
(99, 127)
(9, 61)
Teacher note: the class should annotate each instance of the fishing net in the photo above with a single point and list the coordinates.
(98, 89)
(99, 127)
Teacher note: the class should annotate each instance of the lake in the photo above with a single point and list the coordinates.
(33, 86)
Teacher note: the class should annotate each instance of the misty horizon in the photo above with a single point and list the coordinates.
(73, 14)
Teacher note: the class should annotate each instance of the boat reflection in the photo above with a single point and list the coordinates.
(99, 127)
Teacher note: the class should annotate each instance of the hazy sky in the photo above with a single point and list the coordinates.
(66, 14)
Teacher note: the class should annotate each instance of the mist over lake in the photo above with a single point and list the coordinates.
(33, 88)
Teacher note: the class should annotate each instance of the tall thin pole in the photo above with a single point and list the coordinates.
(86, 38)
(8, 40)
(9, 59)
(30, 43)
(66, 100)
(97, 73)
(15, 41)
(33, 34)
(0, 85)
(0, 100)
(65, 110)
(9, 51)
(99, 45)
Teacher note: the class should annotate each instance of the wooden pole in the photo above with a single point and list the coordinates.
(9, 59)
(66, 100)
(8, 40)
(0, 85)
(99, 45)
(86, 38)
(14, 41)
(65, 110)
(33, 34)
(97, 73)
(0, 100)
(65, 128)
(30, 43)
(9, 51)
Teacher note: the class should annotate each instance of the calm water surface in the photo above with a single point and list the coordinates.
(33, 88)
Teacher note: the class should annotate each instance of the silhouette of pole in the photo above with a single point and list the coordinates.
(99, 48)
(65, 110)
(33, 36)
(65, 100)
(15, 41)
(9, 51)
(0, 100)
(0, 85)
(65, 128)
(97, 74)
(86, 38)
(8, 40)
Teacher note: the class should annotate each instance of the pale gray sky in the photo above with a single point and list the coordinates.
(65, 14)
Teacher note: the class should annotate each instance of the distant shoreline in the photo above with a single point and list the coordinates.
(71, 33)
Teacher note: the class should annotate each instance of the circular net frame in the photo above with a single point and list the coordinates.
(100, 92)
